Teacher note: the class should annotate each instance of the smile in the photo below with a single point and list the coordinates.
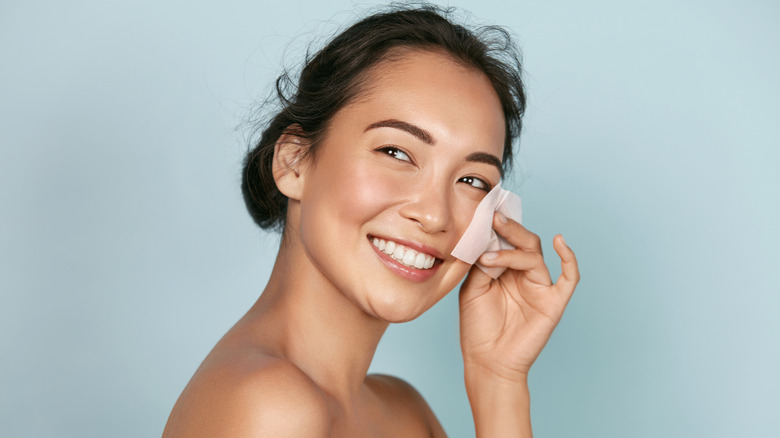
(404, 255)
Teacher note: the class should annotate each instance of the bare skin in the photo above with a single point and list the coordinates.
(296, 364)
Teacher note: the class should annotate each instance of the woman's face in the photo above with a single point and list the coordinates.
(403, 166)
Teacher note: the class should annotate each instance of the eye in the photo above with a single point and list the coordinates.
(476, 182)
(395, 152)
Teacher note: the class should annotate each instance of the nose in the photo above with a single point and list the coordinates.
(430, 208)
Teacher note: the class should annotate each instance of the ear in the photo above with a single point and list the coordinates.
(288, 163)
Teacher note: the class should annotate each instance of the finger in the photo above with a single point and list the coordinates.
(531, 263)
(477, 282)
(516, 234)
(570, 271)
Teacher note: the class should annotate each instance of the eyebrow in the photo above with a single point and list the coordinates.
(484, 157)
(426, 137)
(416, 131)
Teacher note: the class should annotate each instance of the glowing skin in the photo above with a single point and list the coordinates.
(371, 222)
(359, 188)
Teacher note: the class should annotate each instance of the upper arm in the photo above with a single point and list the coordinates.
(276, 400)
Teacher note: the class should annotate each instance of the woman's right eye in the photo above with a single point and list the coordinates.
(396, 153)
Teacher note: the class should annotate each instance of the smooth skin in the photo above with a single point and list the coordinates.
(296, 364)
(505, 324)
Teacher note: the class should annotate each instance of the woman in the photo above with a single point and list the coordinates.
(373, 170)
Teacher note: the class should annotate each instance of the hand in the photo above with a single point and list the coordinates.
(506, 322)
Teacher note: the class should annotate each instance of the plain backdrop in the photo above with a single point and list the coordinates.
(652, 143)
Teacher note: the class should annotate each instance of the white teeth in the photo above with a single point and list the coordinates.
(407, 256)
(419, 261)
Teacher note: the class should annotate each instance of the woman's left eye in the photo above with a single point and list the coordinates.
(396, 153)
(475, 182)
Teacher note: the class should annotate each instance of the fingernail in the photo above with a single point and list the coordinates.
(501, 217)
(490, 255)
(563, 240)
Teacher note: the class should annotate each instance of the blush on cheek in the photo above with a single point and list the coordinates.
(366, 192)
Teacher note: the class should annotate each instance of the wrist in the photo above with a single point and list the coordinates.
(485, 383)
(493, 374)
(500, 404)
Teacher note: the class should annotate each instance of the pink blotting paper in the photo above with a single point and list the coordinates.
(480, 236)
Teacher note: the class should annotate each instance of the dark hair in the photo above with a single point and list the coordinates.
(335, 75)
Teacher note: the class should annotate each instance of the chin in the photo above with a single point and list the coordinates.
(395, 309)
(395, 305)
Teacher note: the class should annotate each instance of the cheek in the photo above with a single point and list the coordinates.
(364, 194)
(347, 194)
(465, 207)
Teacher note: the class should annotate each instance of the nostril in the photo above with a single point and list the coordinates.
(431, 211)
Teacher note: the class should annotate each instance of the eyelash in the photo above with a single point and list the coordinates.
(470, 180)
(393, 152)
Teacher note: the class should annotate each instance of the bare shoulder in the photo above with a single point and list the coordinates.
(249, 395)
(405, 404)
(394, 387)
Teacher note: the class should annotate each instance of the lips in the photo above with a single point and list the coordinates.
(403, 254)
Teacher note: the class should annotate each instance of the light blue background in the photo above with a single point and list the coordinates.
(652, 143)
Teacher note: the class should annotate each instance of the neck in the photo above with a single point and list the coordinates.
(315, 326)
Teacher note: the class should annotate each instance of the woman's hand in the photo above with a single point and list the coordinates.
(506, 322)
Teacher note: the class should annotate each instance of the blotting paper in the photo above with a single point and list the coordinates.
(480, 236)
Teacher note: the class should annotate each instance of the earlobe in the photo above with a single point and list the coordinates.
(288, 163)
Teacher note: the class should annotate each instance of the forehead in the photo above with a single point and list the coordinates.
(457, 104)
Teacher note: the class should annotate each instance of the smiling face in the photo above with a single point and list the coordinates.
(396, 181)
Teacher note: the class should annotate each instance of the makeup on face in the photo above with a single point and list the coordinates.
(405, 261)
(395, 183)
